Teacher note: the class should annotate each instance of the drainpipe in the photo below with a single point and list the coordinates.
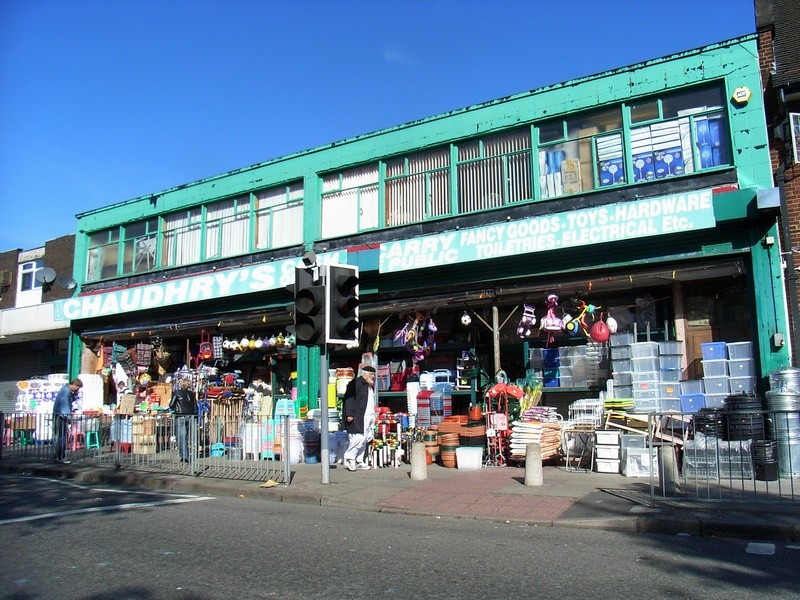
(791, 273)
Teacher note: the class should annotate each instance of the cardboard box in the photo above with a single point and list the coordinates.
(144, 448)
(126, 405)
(25, 422)
(144, 426)
(164, 392)
(143, 439)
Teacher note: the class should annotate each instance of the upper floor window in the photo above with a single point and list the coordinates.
(279, 216)
(264, 219)
(27, 275)
(581, 152)
(417, 187)
(139, 246)
(494, 171)
(350, 201)
(672, 135)
(102, 258)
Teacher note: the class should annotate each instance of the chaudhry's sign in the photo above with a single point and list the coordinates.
(244, 280)
(611, 223)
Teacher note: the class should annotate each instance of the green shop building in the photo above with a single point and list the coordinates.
(639, 198)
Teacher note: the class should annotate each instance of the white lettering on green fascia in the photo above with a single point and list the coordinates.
(220, 284)
(602, 224)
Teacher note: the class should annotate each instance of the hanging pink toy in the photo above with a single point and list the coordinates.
(526, 323)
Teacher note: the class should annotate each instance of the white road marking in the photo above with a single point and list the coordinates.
(756, 548)
(126, 506)
(171, 499)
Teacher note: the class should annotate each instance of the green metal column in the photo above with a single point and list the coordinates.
(769, 301)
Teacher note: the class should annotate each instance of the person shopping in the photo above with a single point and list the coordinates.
(359, 417)
(62, 408)
(184, 404)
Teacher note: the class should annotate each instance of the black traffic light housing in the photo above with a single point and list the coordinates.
(309, 307)
(342, 308)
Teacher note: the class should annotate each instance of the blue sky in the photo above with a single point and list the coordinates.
(102, 101)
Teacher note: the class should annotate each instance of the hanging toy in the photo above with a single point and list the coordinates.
(572, 326)
(599, 332)
(611, 323)
(551, 322)
(431, 341)
(526, 323)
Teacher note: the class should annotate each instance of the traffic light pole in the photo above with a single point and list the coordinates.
(324, 445)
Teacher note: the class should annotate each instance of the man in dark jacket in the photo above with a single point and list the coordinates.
(62, 408)
(358, 406)
(184, 405)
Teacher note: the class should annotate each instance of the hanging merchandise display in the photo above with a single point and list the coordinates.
(599, 331)
(418, 335)
(525, 328)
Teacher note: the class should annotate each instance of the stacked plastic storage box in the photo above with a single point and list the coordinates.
(579, 365)
(728, 368)
(545, 362)
(621, 364)
(654, 389)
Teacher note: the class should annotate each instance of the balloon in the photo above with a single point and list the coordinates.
(599, 332)
(611, 322)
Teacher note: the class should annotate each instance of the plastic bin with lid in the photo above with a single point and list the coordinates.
(622, 364)
(669, 389)
(622, 338)
(670, 375)
(742, 384)
(618, 352)
(715, 368)
(644, 350)
(716, 385)
(714, 351)
(715, 400)
(622, 378)
(623, 391)
(644, 376)
(738, 350)
(742, 367)
(692, 386)
(647, 404)
(649, 363)
(691, 403)
(669, 361)
(673, 348)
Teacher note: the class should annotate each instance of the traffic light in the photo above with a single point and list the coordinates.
(309, 307)
(342, 309)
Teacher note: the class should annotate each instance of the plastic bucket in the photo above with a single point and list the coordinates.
(765, 460)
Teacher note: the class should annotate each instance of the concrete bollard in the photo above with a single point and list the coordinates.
(533, 465)
(419, 469)
(669, 479)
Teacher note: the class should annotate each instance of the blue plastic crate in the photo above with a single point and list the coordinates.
(691, 403)
(714, 351)
(550, 382)
(550, 358)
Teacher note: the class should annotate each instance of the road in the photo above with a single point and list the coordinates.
(66, 540)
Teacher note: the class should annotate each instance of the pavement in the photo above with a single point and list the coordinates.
(565, 498)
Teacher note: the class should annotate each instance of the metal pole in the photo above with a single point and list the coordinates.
(323, 407)
(287, 474)
(496, 336)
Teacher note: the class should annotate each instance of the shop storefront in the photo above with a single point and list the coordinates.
(486, 240)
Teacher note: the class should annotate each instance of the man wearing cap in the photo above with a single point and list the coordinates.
(358, 406)
(62, 408)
